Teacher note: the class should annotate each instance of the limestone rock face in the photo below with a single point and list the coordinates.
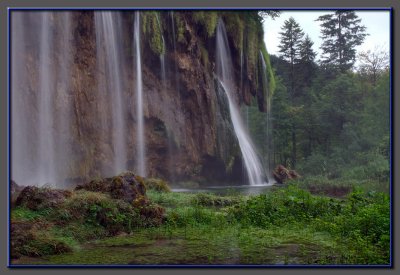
(187, 124)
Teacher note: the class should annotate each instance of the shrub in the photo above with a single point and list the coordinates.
(206, 199)
(156, 184)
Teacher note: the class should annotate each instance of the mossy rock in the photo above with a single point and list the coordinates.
(152, 29)
(127, 186)
(29, 239)
(101, 210)
(208, 20)
(35, 198)
(156, 184)
(152, 215)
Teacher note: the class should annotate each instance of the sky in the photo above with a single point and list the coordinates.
(377, 24)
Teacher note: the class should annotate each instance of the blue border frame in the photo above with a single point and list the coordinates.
(74, 266)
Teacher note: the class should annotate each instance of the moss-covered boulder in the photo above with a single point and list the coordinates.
(35, 198)
(32, 239)
(157, 184)
(126, 186)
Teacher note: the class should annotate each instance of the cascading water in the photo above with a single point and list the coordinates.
(40, 150)
(174, 45)
(140, 161)
(46, 153)
(169, 130)
(268, 138)
(23, 150)
(107, 28)
(162, 58)
(71, 114)
(226, 79)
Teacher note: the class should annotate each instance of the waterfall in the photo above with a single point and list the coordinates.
(141, 161)
(226, 79)
(162, 55)
(40, 127)
(23, 138)
(63, 101)
(46, 153)
(174, 44)
(109, 38)
(268, 138)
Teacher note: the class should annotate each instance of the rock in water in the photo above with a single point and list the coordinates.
(282, 174)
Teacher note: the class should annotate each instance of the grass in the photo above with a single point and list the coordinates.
(199, 244)
(25, 214)
(289, 225)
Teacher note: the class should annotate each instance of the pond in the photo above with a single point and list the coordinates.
(230, 190)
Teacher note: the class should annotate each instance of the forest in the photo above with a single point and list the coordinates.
(174, 138)
(330, 118)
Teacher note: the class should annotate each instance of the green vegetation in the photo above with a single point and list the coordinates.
(341, 32)
(152, 29)
(285, 226)
(270, 71)
(180, 27)
(331, 125)
(235, 26)
(208, 20)
(156, 184)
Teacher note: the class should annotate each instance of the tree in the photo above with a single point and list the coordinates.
(291, 39)
(373, 63)
(307, 64)
(341, 32)
(272, 13)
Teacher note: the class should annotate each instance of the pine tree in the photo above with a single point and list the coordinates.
(306, 64)
(307, 54)
(341, 32)
(291, 38)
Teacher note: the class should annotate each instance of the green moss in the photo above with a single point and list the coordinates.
(208, 20)
(270, 71)
(152, 30)
(180, 27)
(251, 46)
(235, 25)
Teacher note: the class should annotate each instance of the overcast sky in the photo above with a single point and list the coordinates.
(377, 24)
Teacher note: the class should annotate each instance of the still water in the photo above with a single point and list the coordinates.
(230, 190)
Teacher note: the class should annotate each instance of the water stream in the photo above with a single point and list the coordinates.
(140, 146)
(268, 161)
(225, 75)
(107, 25)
